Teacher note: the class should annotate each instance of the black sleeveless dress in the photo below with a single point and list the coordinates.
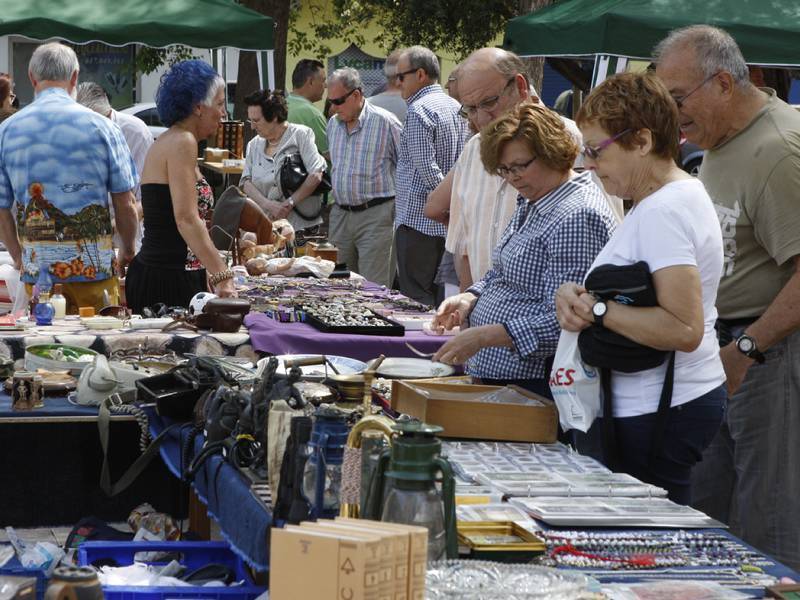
(164, 270)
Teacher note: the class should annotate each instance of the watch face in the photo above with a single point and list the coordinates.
(599, 309)
(745, 344)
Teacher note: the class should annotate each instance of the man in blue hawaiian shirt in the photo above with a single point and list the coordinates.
(59, 161)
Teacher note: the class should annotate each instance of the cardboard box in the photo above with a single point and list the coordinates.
(216, 155)
(314, 564)
(463, 412)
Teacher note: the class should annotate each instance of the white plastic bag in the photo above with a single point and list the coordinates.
(575, 385)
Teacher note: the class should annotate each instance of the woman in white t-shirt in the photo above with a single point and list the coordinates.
(630, 132)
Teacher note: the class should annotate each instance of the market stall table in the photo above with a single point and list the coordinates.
(125, 341)
(50, 470)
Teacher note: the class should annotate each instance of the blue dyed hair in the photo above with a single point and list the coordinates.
(185, 85)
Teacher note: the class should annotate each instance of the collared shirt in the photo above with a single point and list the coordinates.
(263, 171)
(139, 139)
(433, 137)
(547, 243)
(59, 161)
(481, 205)
(303, 112)
(364, 159)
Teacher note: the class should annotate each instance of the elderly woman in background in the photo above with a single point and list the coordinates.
(630, 131)
(561, 222)
(276, 140)
(177, 258)
(7, 96)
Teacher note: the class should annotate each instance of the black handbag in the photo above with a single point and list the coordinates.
(293, 174)
(603, 348)
(608, 350)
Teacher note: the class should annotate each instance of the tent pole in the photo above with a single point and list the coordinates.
(225, 74)
(271, 69)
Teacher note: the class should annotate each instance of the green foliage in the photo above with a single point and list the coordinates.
(149, 59)
(454, 26)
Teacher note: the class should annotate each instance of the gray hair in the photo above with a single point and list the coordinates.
(420, 57)
(53, 62)
(94, 97)
(390, 66)
(510, 65)
(217, 84)
(347, 76)
(715, 49)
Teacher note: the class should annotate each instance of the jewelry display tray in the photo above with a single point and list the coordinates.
(391, 328)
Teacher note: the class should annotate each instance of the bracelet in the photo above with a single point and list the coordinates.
(220, 277)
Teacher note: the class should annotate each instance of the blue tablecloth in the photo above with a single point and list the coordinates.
(243, 518)
(54, 406)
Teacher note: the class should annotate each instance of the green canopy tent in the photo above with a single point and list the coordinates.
(767, 31)
(158, 23)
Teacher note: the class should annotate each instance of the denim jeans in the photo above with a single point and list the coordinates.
(750, 474)
(689, 430)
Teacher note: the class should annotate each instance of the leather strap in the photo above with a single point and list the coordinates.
(133, 472)
(610, 448)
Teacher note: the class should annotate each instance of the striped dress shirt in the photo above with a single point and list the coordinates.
(546, 243)
(363, 161)
(433, 137)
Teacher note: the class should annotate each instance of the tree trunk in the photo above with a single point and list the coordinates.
(247, 80)
(535, 65)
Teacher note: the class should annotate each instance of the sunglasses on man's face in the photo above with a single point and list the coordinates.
(401, 76)
(342, 99)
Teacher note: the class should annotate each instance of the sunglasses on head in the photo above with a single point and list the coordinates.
(342, 99)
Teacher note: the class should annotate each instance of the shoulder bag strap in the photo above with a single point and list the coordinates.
(610, 450)
(664, 404)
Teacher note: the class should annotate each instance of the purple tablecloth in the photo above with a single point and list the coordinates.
(268, 335)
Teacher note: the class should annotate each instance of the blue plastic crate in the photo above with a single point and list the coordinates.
(192, 555)
(13, 568)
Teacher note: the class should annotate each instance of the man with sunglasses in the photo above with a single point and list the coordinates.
(363, 143)
(433, 137)
(749, 476)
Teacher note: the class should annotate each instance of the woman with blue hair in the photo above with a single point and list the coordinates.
(178, 258)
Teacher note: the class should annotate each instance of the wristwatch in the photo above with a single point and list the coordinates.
(747, 346)
(599, 311)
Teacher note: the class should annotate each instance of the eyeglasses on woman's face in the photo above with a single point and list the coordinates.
(593, 152)
(514, 170)
(342, 99)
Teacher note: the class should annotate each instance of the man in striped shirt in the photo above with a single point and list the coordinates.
(363, 143)
(433, 137)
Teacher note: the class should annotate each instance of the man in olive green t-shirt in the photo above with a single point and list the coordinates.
(750, 475)
(308, 86)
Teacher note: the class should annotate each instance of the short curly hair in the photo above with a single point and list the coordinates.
(185, 85)
(634, 101)
(273, 104)
(542, 131)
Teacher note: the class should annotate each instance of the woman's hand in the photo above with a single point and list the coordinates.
(574, 313)
(278, 210)
(461, 348)
(225, 289)
(453, 312)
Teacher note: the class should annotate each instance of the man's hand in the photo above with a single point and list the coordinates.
(735, 364)
(124, 258)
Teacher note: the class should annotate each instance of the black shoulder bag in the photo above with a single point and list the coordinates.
(607, 350)
(293, 174)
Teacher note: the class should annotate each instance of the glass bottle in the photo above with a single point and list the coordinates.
(59, 302)
(421, 505)
(44, 311)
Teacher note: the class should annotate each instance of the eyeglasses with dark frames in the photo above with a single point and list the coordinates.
(593, 152)
(514, 170)
(342, 99)
(682, 99)
(489, 104)
(401, 76)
